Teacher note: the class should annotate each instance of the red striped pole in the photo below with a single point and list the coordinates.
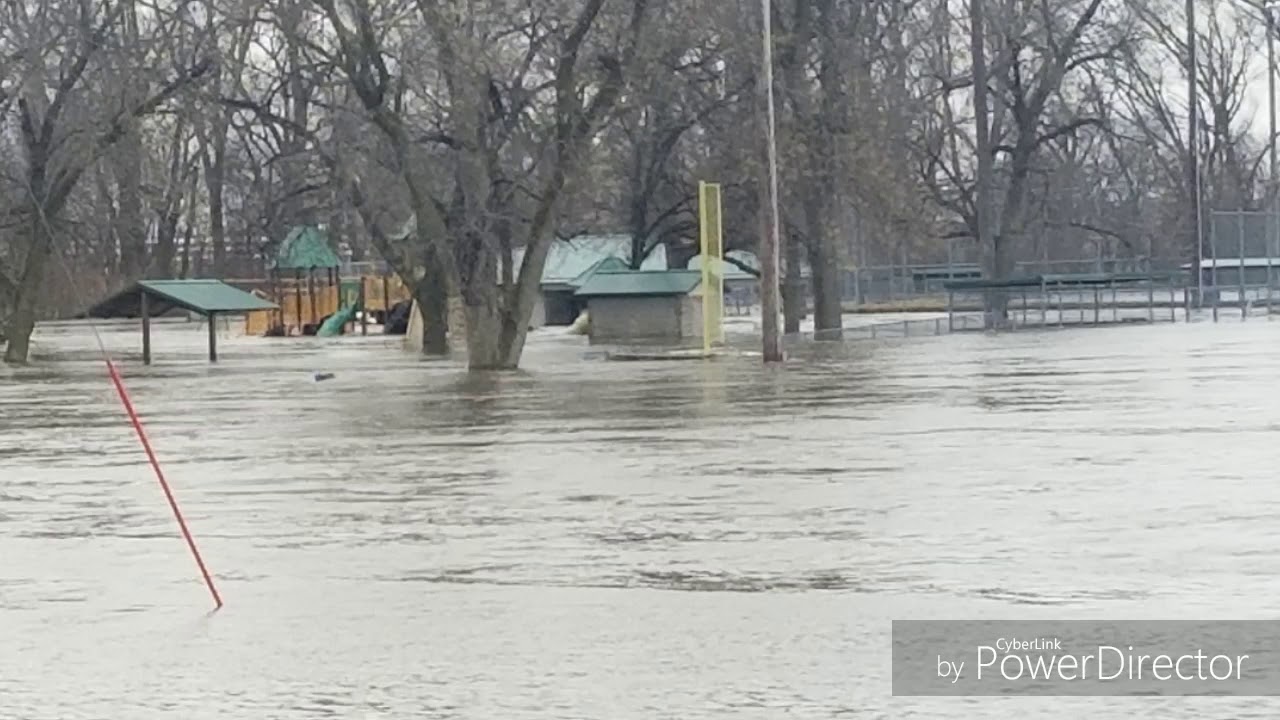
(164, 484)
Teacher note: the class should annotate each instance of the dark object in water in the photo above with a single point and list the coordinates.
(398, 318)
(320, 377)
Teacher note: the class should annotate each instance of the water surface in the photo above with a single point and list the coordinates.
(591, 539)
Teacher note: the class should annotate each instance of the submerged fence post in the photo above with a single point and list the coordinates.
(1044, 304)
(1244, 306)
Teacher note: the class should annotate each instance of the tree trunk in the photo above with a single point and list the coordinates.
(638, 211)
(485, 346)
(495, 337)
(793, 299)
(133, 226)
(6, 306)
(213, 178)
(189, 231)
(22, 321)
(432, 294)
(994, 303)
(828, 314)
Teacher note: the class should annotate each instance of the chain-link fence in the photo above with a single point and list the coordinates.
(895, 283)
(1239, 265)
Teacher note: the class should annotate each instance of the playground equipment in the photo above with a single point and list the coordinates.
(712, 248)
(306, 284)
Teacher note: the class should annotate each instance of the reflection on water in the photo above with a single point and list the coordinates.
(586, 539)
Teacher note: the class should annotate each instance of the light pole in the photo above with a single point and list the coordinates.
(1193, 154)
(1269, 8)
(769, 261)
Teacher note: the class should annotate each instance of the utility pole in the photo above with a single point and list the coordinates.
(1268, 11)
(981, 115)
(769, 261)
(1195, 215)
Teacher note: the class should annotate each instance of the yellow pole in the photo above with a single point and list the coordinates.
(712, 252)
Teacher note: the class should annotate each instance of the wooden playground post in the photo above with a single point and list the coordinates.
(337, 301)
(311, 292)
(364, 308)
(297, 297)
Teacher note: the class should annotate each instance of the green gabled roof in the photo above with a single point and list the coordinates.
(201, 296)
(304, 248)
(640, 283)
(610, 264)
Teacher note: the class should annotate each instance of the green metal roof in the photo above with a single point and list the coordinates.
(640, 283)
(570, 260)
(200, 296)
(610, 264)
(304, 248)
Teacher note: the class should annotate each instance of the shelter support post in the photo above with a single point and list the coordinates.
(146, 329)
(213, 337)
(1151, 301)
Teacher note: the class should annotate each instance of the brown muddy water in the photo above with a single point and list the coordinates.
(588, 539)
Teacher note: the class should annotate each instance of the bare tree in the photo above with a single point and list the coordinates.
(67, 118)
(506, 127)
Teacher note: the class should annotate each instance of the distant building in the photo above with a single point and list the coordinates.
(570, 262)
(643, 307)
(1233, 272)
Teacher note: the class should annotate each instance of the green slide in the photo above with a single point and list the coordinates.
(335, 322)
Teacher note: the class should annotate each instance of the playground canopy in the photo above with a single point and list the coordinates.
(306, 248)
(157, 297)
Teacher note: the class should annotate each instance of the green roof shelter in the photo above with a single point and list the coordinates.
(643, 306)
(151, 298)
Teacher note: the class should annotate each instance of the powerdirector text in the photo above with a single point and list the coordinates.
(1078, 657)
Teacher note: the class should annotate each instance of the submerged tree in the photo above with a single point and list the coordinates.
(499, 104)
(66, 98)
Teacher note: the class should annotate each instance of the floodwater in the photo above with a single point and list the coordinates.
(611, 540)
